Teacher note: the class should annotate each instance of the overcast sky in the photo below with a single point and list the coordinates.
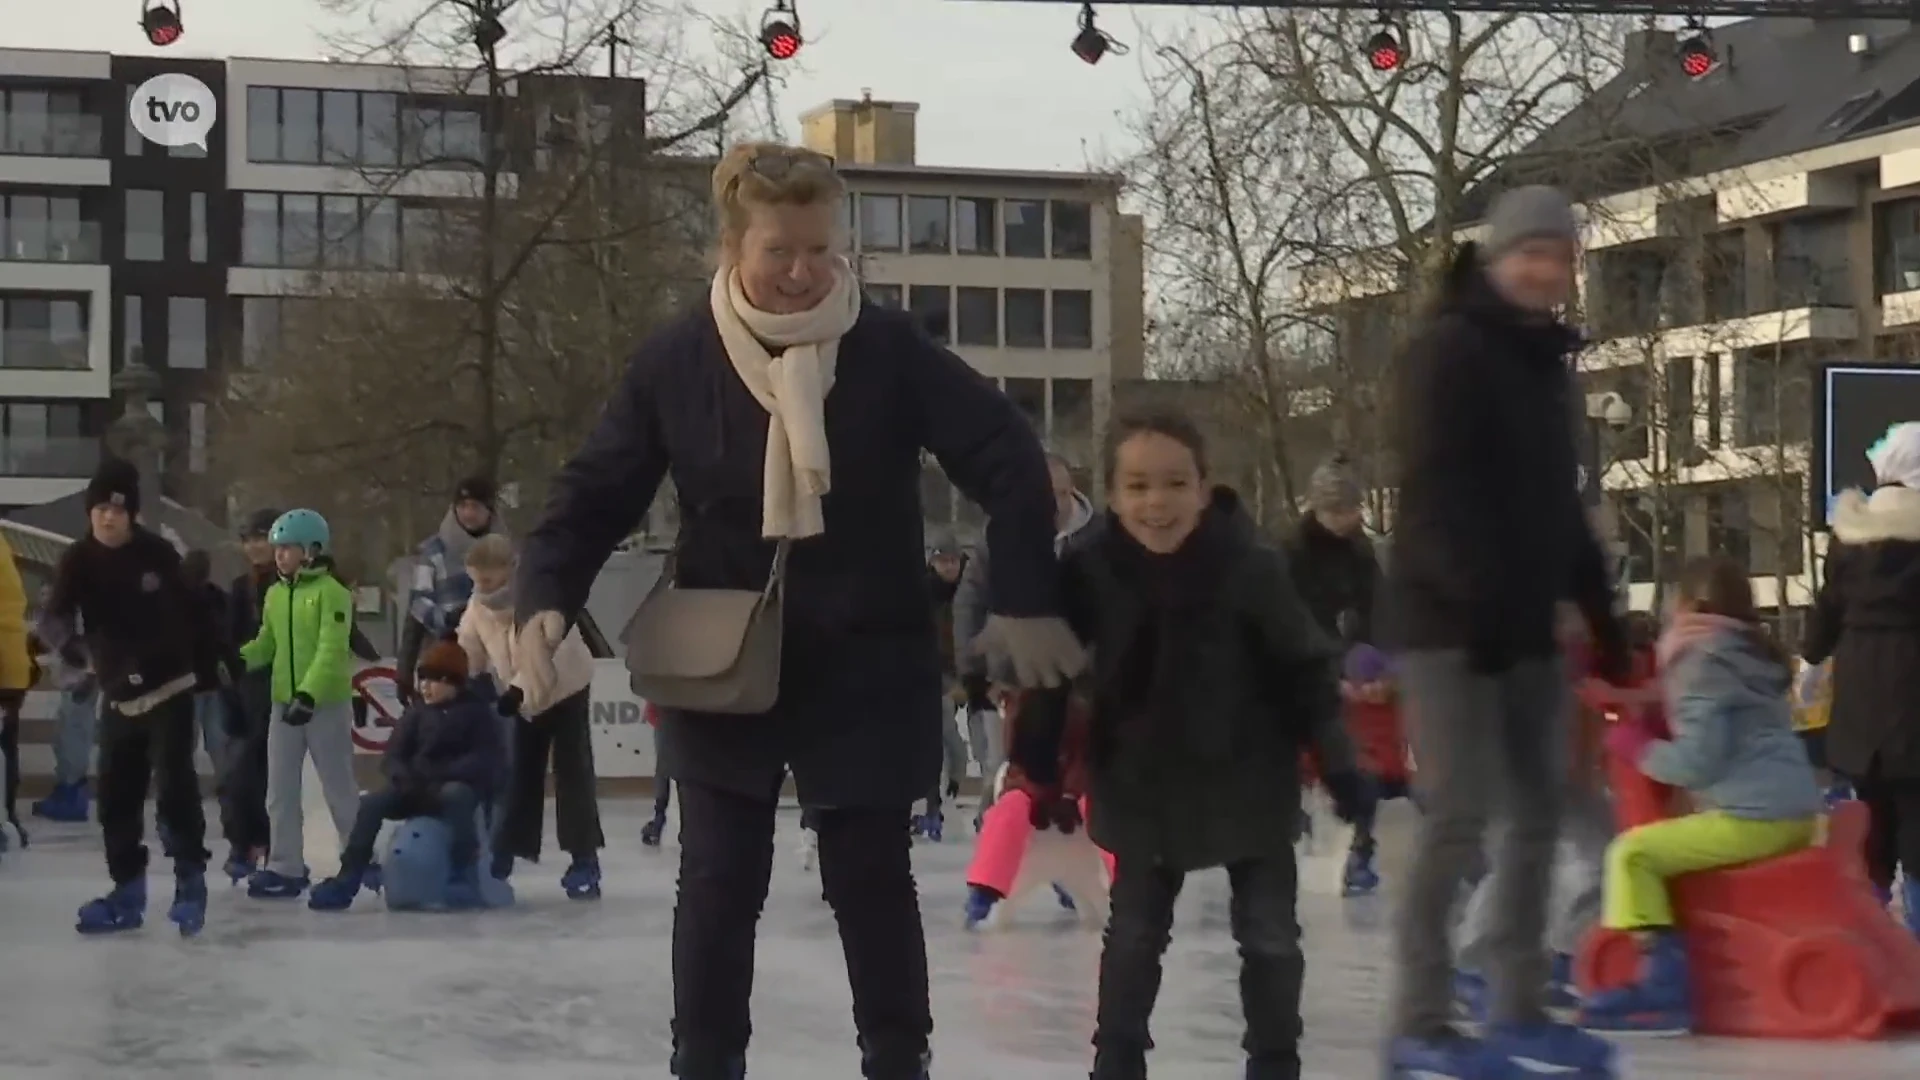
(995, 81)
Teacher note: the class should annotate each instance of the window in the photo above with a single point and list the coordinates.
(886, 296)
(263, 123)
(932, 308)
(348, 127)
(1729, 527)
(197, 437)
(1072, 230)
(379, 129)
(132, 143)
(259, 329)
(259, 229)
(133, 331)
(300, 126)
(340, 230)
(879, 223)
(1026, 229)
(186, 332)
(1072, 319)
(1897, 246)
(29, 227)
(29, 122)
(69, 239)
(299, 230)
(197, 226)
(380, 235)
(43, 331)
(146, 226)
(977, 316)
(929, 225)
(1681, 445)
(1072, 434)
(1810, 262)
(1030, 397)
(438, 136)
(975, 231)
(1026, 318)
(340, 127)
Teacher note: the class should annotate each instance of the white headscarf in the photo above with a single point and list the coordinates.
(1896, 457)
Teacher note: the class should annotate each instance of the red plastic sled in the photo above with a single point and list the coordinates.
(1791, 948)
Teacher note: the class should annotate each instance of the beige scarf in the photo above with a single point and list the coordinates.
(793, 388)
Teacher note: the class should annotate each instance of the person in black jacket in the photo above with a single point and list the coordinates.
(758, 455)
(946, 562)
(1867, 619)
(151, 645)
(1489, 538)
(1209, 679)
(243, 805)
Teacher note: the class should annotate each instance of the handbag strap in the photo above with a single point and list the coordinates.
(776, 575)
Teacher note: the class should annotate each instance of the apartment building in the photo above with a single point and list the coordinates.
(1035, 278)
(1740, 229)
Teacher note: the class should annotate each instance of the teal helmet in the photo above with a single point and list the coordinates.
(304, 529)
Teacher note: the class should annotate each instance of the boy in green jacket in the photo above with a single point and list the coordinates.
(305, 624)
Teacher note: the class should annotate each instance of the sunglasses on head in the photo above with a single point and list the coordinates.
(780, 164)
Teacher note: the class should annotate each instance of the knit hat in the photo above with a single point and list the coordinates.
(478, 489)
(1529, 213)
(1332, 487)
(444, 661)
(116, 483)
(259, 524)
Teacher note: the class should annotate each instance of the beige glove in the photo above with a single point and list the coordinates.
(1042, 651)
(533, 651)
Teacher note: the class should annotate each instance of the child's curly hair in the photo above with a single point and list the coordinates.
(1716, 585)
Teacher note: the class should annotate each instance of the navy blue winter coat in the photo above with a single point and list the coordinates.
(860, 708)
(458, 741)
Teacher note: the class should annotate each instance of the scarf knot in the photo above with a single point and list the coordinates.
(792, 387)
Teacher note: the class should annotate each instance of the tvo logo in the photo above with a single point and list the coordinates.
(173, 110)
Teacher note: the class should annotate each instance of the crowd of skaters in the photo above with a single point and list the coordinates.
(1165, 667)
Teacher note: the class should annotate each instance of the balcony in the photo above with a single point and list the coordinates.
(60, 135)
(28, 350)
(73, 457)
(57, 242)
(1802, 282)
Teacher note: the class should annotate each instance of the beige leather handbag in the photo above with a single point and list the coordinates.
(708, 650)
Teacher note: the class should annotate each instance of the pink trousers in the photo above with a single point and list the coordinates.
(1001, 848)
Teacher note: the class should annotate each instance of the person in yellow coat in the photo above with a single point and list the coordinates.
(16, 677)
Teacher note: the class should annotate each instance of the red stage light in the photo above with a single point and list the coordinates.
(1384, 52)
(1696, 57)
(781, 39)
(161, 23)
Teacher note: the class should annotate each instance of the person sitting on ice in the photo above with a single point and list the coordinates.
(445, 759)
(1209, 678)
(1734, 750)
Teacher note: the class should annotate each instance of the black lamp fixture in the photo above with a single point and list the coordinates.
(488, 30)
(160, 21)
(1092, 43)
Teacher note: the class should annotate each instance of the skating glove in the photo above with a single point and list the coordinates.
(510, 702)
(539, 638)
(1042, 651)
(298, 711)
(1353, 796)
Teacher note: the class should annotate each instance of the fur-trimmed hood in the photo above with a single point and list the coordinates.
(1891, 513)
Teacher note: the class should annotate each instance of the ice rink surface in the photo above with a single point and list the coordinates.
(558, 990)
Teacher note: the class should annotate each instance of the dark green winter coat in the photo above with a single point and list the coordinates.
(1209, 678)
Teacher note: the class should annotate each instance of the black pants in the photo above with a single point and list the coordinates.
(726, 855)
(1893, 837)
(10, 702)
(1265, 926)
(454, 803)
(243, 779)
(157, 744)
(562, 733)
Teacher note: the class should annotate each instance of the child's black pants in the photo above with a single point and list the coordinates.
(563, 733)
(157, 745)
(1265, 925)
(726, 855)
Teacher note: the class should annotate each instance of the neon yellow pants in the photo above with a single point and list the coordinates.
(1639, 861)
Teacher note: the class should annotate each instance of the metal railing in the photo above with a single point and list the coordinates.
(54, 135)
(61, 242)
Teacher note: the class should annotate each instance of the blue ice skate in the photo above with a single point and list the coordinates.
(980, 903)
(1562, 991)
(125, 908)
(1065, 897)
(931, 825)
(370, 878)
(240, 864)
(582, 879)
(1660, 1002)
(1838, 792)
(66, 802)
(337, 892)
(1447, 1055)
(1472, 997)
(189, 910)
(1550, 1049)
(650, 832)
(273, 885)
(1359, 878)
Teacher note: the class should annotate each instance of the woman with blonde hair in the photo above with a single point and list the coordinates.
(792, 417)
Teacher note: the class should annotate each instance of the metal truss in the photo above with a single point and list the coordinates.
(1765, 9)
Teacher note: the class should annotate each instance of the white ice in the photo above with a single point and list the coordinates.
(568, 991)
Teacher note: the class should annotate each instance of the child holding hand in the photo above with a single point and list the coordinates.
(1735, 753)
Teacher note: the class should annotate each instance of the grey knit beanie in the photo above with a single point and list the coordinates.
(1332, 487)
(1529, 213)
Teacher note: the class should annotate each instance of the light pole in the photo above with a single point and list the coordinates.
(1608, 414)
(135, 436)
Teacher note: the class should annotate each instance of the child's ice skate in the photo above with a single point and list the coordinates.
(931, 825)
(66, 802)
(981, 904)
(1545, 1048)
(189, 910)
(1446, 1055)
(125, 908)
(582, 879)
(809, 849)
(337, 892)
(1358, 877)
(240, 864)
(1659, 1003)
(273, 885)
(371, 879)
(650, 832)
